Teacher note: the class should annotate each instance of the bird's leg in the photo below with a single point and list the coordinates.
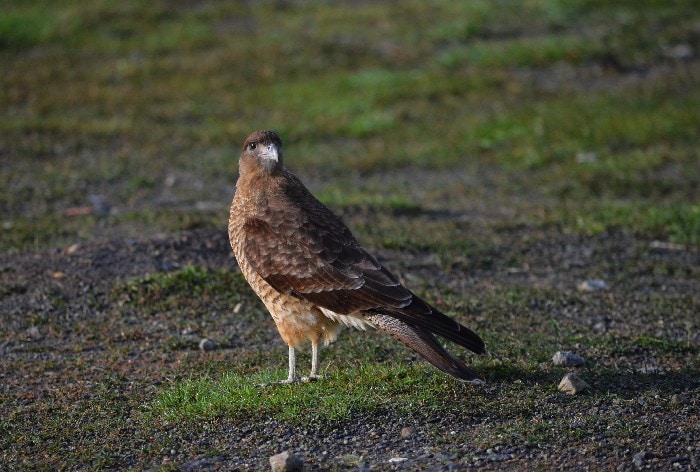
(314, 363)
(292, 366)
(314, 359)
(292, 371)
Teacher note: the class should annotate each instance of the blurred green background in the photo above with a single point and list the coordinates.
(120, 118)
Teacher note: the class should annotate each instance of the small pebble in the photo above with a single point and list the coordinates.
(601, 326)
(33, 333)
(100, 205)
(567, 359)
(682, 51)
(205, 345)
(573, 384)
(285, 462)
(585, 157)
(649, 370)
(639, 459)
(593, 285)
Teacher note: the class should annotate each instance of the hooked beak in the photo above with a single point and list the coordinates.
(271, 152)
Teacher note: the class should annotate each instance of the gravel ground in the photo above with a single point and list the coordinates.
(65, 358)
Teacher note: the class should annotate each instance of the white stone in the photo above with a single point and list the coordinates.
(285, 462)
(573, 384)
(593, 285)
(567, 359)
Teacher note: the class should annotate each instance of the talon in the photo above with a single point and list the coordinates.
(311, 378)
(281, 382)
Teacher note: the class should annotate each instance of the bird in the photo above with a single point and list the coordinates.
(313, 276)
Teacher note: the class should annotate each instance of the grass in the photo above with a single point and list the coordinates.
(678, 223)
(359, 380)
(367, 388)
(164, 291)
(536, 51)
(367, 97)
(372, 389)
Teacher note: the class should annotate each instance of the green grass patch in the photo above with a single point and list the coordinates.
(393, 203)
(678, 223)
(51, 229)
(658, 344)
(188, 290)
(533, 52)
(339, 395)
(26, 28)
(516, 387)
(555, 130)
(114, 97)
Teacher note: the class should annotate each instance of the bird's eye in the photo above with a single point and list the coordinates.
(252, 146)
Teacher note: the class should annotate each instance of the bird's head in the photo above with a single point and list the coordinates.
(262, 151)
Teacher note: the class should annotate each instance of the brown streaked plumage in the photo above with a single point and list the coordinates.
(311, 273)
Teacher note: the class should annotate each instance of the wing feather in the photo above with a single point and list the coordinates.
(301, 248)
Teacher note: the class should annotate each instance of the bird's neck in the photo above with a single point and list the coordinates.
(255, 179)
(255, 189)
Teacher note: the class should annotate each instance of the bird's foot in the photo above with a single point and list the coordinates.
(288, 381)
(311, 378)
(474, 382)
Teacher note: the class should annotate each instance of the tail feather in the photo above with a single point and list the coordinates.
(425, 344)
(419, 314)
